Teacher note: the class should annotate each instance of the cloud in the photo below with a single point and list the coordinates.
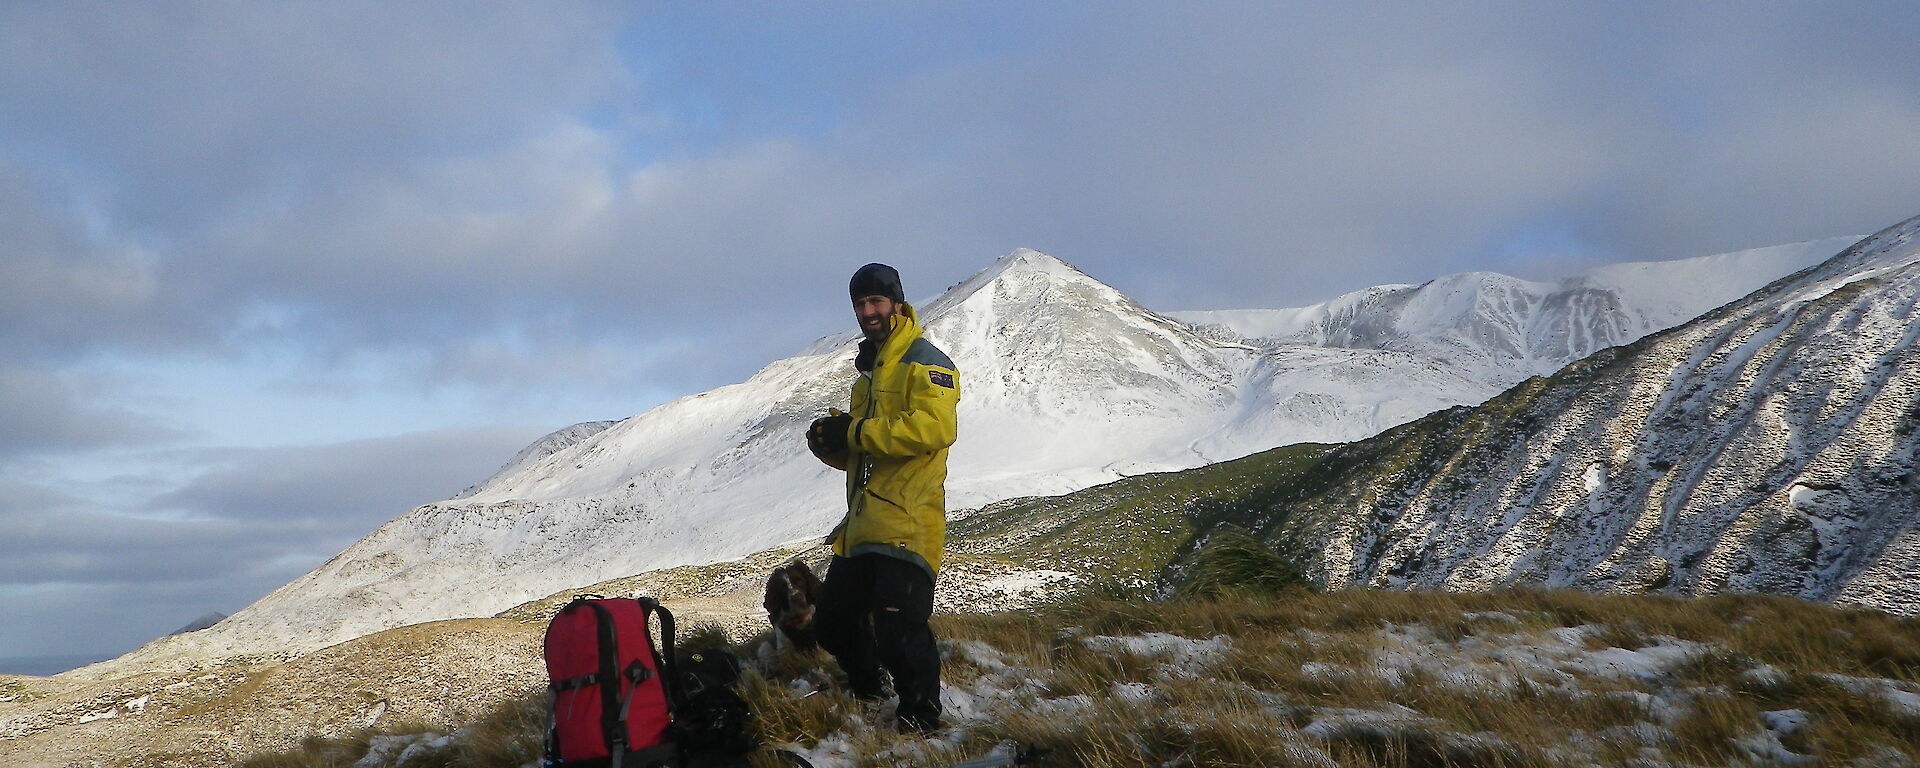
(1253, 157)
(1842, 160)
(343, 489)
(684, 253)
(42, 411)
(61, 286)
(245, 512)
(251, 520)
(217, 105)
(41, 620)
(85, 547)
(427, 198)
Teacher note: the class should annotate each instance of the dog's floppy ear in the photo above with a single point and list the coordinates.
(776, 599)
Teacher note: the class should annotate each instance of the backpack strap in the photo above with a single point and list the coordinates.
(613, 721)
(663, 656)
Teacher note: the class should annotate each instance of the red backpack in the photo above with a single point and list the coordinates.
(608, 684)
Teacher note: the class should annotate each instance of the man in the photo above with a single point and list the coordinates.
(878, 594)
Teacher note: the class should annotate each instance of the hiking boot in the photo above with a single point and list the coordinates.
(921, 720)
(869, 689)
(917, 724)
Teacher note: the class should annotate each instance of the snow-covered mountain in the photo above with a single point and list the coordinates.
(1066, 383)
(1501, 330)
(552, 443)
(1771, 445)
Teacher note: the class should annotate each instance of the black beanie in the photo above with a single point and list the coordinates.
(876, 280)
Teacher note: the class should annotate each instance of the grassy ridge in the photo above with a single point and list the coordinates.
(1131, 529)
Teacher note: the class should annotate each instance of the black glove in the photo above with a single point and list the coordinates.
(828, 435)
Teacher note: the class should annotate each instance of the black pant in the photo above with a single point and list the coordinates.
(873, 612)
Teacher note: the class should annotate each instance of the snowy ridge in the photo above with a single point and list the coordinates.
(552, 443)
(1066, 383)
(1771, 445)
(1503, 329)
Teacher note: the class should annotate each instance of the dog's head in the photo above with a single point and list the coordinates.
(791, 592)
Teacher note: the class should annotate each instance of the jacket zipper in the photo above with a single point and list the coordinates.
(863, 463)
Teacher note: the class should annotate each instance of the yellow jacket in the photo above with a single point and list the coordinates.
(903, 421)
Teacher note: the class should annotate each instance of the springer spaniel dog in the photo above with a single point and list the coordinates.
(791, 592)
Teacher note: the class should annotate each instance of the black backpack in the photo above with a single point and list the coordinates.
(711, 723)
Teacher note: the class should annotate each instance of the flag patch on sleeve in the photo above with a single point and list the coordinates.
(941, 378)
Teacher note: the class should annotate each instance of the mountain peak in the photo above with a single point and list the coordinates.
(1024, 261)
(1029, 258)
(1023, 266)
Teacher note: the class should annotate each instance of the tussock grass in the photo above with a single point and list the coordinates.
(1711, 732)
(314, 752)
(1361, 678)
(701, 637)
(1234, 560)
(511, 734)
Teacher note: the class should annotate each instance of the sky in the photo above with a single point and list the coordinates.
(271, 274)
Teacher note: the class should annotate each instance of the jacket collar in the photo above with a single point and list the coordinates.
(905, 329)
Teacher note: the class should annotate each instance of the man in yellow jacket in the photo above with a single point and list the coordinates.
(892, 443)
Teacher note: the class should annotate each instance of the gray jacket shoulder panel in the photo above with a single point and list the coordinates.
(925, 353)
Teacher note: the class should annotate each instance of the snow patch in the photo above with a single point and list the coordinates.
(1822, 503)
(1904, 697)
(1180, 657)
(1596, 484)
(1024, 583)
(1135, 693)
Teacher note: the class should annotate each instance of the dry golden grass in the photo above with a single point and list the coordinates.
(1304, 679)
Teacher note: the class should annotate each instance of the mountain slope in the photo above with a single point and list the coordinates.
(1768, 446)
(1066, 383)
(1772, 445)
